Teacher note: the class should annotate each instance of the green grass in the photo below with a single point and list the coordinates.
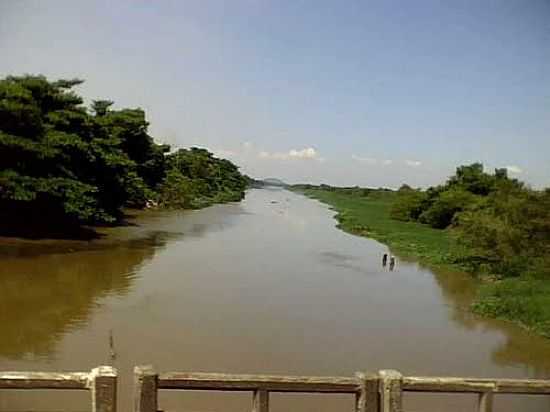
(524, 301)
(370, 216)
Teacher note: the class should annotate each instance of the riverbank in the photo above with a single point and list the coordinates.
(135, 228)
(369, 216)
(524, 301)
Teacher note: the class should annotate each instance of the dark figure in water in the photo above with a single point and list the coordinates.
(384, 259)
(392, 262)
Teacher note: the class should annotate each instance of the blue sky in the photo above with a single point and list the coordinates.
(372, 93)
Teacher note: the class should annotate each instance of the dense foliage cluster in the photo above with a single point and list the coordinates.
(195, 178)
(502, 225)
(63, 162)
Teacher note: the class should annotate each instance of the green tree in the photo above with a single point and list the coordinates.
(409, 204)
(508, 233)
(210, 179)
(62, 163)
(473, 179)
(443, 209)
(177, 190)
(45, 138)
(68, 164)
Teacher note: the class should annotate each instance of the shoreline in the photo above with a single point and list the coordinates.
(368, 216)
(133, 229)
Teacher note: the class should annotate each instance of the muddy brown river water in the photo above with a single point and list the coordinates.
(268, 285)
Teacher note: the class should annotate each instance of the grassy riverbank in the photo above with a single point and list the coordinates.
(525, 301)
(370, 216)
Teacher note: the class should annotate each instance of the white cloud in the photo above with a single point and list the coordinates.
(514, 169)
(267, 155)
(368, 160)
(372, 160)
(308, 153)
(413, 163)
(223, 152)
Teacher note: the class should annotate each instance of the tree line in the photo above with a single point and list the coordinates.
(501, 225)
(63, 162)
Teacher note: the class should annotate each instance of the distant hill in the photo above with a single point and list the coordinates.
(270, 182)
(274, 182)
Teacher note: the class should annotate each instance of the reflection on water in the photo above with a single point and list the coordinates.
(265, 286)
(518, 348)
(46, 295)
(340, 260)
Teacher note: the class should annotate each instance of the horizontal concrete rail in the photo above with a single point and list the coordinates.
(382, 392)
(363, 387)
(44, 380)
(100, 381)
(391, 399)
(509, 386)
(225, 382)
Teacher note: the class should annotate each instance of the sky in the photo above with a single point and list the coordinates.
(344, 92)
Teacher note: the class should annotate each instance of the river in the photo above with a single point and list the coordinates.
(267, 285)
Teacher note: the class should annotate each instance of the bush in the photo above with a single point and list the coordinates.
(176, 190)
(509, 231)
(442, 211)
(526, 301)
(409, 205)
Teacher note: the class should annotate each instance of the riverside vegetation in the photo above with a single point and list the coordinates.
(490, 225)
(63, 164)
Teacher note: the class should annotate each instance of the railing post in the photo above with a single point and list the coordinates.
(391, 391)
(103, 387)
(366, 399)
(260, 401)
(145, 389)
(485, 402)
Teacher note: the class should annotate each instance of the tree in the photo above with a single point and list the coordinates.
(62, 163)
(126, 129)
(210, 179)
(473, 179)
(442, 211)
(409, 204)
(45, 136)
(508, 233)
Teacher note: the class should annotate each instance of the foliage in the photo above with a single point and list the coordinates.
(473, 179)
(68, 164)
(509, 232)
(502, 227)
(445, 207)
(409, 204)
(438, 206)
(526, 301)
(49, 151)
(177, 190)
(201, 179)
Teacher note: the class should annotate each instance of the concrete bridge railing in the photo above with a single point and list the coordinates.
(381, 392)
(101, 382)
